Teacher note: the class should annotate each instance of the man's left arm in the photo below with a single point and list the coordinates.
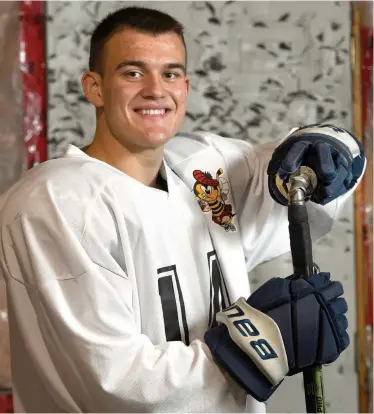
(332, 153)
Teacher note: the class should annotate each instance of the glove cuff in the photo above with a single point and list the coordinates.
(237, 364)
(249, 346)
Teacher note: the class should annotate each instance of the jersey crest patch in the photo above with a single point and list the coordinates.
(211, 195)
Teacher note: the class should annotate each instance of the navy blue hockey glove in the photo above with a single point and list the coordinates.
(334, 154)
(285, 326)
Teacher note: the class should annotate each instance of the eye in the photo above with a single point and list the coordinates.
(171, 75)
(208, 190)
(133, 74)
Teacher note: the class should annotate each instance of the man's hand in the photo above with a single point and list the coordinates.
(284, 327)
(333, 153)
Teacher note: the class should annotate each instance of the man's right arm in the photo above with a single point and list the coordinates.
(86, 320)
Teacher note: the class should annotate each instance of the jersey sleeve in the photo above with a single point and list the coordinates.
(263, 222)
(84, 308)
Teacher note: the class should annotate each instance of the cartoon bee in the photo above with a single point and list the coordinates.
(212, 194)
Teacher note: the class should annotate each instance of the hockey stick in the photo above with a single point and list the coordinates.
(301, 186)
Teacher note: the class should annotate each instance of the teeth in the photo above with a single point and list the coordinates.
(152, 111)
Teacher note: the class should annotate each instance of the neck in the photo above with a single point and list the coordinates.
(141, 164)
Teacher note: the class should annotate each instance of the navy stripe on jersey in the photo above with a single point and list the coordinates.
(172, 309)
(219, 298)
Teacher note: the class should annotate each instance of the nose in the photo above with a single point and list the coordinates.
(154, 87)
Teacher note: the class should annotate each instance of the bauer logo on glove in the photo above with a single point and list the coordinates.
(258, 336)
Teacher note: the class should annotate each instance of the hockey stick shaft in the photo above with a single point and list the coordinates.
(302, 259)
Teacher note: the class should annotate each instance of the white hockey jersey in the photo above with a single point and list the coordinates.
(112, 284)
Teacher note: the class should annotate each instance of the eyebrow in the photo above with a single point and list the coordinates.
(143, 65)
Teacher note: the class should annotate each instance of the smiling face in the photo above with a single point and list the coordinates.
(142, 92)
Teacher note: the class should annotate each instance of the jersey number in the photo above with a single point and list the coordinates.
(173, 308)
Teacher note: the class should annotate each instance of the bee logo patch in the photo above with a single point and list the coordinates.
(211, 195)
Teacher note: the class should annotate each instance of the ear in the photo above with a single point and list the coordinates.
(92, 84)
(187, 81)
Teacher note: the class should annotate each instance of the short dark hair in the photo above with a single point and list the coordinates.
(142, 19)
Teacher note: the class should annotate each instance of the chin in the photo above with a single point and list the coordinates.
(155, 140)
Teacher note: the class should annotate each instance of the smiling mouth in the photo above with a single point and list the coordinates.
(154, 112)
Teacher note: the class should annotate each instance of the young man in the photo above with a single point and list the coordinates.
(119, 256)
